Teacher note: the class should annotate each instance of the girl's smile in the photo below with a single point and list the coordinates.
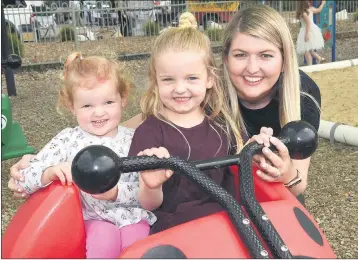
(254, 66)
(98, 109)
(182, 80)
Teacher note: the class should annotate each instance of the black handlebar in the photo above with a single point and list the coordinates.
(301, 140)
(96, 169)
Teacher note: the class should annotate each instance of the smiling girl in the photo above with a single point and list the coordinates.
(95, 91)
(186, 115)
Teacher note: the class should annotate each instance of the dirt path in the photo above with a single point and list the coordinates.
(339, 90)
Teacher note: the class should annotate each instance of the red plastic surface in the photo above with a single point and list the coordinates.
(264, 191)
(282, 216)
(210, 237)
(215, 237)
(48, 225)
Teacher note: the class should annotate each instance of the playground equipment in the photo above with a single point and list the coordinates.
(269, 222)
(326, 20)
(13, 141)
(5, 47)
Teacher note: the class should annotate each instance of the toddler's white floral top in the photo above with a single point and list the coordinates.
(125, 210)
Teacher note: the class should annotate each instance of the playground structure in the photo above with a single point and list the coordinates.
(13, 141)
(326, 20)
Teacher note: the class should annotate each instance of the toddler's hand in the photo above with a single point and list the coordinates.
(61, 172)
(154, 179)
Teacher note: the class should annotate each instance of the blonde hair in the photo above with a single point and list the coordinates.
(214, 104)
(187, 19)
(79, 71)
(265, 23)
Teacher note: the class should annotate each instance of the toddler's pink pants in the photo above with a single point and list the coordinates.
(105, 240)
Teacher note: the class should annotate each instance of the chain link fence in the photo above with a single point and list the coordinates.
(47, 33)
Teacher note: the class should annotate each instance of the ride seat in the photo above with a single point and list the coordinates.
(48, 225)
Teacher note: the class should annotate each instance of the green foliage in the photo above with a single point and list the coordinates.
(151, 28)
(355, 15)
(67, 34)
(16, 46)
(215, 34)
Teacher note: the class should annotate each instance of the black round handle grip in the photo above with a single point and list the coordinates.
(300, 138)
(95, 169)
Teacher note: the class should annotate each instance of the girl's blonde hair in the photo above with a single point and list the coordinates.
(187, 19)
(214, 104)
(265, 23)
(302, 7)
(80, 72)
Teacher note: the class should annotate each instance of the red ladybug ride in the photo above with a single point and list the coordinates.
(264, 220)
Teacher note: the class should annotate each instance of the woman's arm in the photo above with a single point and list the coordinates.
(319, 9)
(302, 166)
(133, 122)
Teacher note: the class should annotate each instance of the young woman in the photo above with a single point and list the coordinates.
(266, 88)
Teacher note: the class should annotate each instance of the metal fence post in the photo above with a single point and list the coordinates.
(280, 6)
(5, 52)
(74, 24)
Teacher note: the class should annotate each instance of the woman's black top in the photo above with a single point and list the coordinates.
(269, 115)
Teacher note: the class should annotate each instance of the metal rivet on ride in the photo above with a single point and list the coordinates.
(284, 248)
(264, 253)
(246, 221)
(264, 217)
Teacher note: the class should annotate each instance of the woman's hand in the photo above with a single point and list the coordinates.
(154, 179)
(15, 175)
(275, 167)
(263, 137)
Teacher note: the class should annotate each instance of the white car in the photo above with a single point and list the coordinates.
(162, 7)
